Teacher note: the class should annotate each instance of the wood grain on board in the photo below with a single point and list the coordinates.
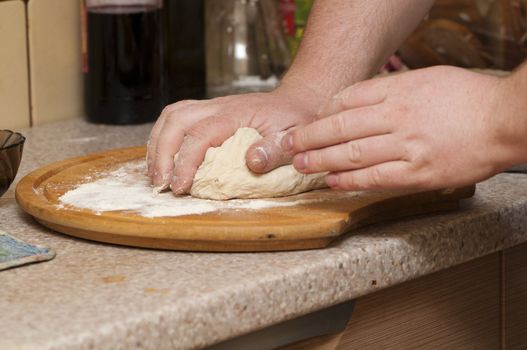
(304, 226)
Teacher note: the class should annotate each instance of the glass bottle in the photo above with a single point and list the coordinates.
(123, 60)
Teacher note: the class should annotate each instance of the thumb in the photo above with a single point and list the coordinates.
(267, 154)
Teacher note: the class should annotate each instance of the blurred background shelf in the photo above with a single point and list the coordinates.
(41, 57)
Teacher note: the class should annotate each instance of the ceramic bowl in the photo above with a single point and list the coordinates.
(11, 147)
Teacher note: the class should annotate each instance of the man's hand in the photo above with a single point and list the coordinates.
(426, 129)
(189, 128)
(345, 42)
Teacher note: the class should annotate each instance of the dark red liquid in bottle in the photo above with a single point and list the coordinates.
(123, 82)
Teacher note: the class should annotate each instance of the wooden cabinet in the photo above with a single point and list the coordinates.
(459, 308)
(515, 300)
(481, 304)
(14, 87)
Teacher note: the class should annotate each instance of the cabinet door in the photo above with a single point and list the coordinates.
(14, 89)
(516, 297)
(55, 60)
(458, 308)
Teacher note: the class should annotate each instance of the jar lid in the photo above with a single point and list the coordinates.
(118, 3)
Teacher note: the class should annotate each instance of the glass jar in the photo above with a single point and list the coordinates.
(246, 47)
(490, 34)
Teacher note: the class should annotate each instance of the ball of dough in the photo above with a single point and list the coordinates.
(225, 175)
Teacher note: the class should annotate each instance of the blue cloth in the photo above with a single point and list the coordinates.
(14, 252)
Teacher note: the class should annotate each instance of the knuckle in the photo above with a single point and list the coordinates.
(419, 158)
(420, 179)
(171, 117)
(274, 140)
(184, 103)
(349, 181)
(315, 161)
(300, 140)
(353, 152)
(174, 110)
(204, 127)
(344, 99)
(376, 177)
(338, 125)
(167, 109)
(304, 138)
(199, 129)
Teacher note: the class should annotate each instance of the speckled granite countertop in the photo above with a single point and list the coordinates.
(96, 296)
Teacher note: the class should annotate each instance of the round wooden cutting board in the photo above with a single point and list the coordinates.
(305, 226)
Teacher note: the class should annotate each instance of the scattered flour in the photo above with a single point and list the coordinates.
(128, 189)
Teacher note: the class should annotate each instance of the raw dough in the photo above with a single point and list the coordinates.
(225, 175)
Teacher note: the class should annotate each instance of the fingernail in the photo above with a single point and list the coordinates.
(287, 143)
(161, 180)
(178, 185)
(300, 161)
(175, 188)
(158, 189)
(155, 177)
(260, 160)
(332, 180)
(174, 185)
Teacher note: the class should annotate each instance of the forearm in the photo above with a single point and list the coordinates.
(346, 41)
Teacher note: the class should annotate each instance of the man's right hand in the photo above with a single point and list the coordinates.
(189, 128)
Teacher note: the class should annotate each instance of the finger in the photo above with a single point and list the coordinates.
(168, 145)
(363, 94)
(151, 145)
(342, 127)
(350, 155)
(267, 154)
(170, 138)
(210, 132)
(389, 175)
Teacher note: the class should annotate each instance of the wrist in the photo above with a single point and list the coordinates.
(298, 92)
(513, 112)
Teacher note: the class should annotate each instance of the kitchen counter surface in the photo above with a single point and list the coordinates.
(98, 296)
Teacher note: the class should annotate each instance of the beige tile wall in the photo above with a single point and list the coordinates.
(40, 62)
(14, 89)
(55, 60)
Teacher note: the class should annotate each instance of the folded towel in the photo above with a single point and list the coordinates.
(14, 252)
